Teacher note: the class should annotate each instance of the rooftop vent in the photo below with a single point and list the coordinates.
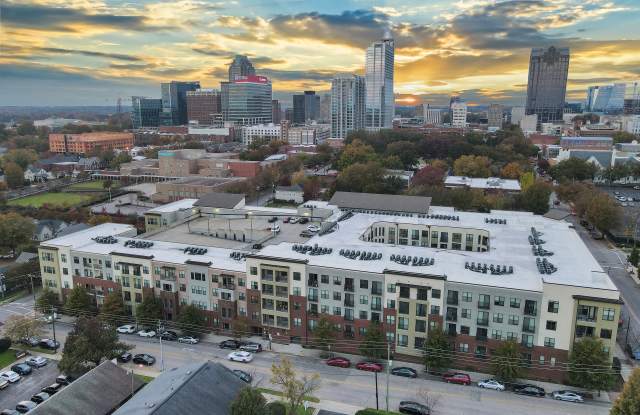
(495, 221)
(311, 250)
(132, 243)
(415, 261)
(534, 238)
(192, 250)
(544, 266)
(492, 269)
(105, 239)
(361, 255)
(454, 218)
(238, 256)
(538, 250)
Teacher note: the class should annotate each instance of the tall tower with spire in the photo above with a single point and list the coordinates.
(379, 98)
(241, 66)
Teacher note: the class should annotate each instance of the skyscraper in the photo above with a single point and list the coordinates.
(458, 114)
(276, 111)
(174, 101)
(145, 112)
(494, 116)
(249, 100)
(241, 66)
(325, 108)
(547, 83)
(379, 100)
(204, 106)
(306, 107)
(347, 104)
(432, 116)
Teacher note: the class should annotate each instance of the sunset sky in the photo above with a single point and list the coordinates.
(89, 52)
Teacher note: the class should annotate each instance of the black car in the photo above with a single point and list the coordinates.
(303, 221)
(64, 380)
(125, 357)
(229, 344)
(144, 359)
(21, 369)
(407, 372)
(413, 408)
(244, 376)
(51, 389)
(40, 397)
(49, 344)
(169, 335)
(9, 412)
(273, 219)
(530, 390)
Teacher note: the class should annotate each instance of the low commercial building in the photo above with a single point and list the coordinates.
(87, 142)
(307, 135)
(490, 184)
(168, 214)
(290, 193)
(261, 132)
(190, 188)
(593, 143)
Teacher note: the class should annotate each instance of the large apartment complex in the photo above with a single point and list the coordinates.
(482, 278)
(88, 142)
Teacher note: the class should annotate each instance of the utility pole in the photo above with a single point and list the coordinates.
(376, 376)
(388, 370)
(53, 324)
(33, 289)
(161, 354)
(626, 336)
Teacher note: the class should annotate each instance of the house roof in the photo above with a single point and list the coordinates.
(53, 224)
(73, 228)
(97, 392)
(199, 388)
(25, 257)
(372, 201)
(603, 157)
(294, 188)
(220, 200)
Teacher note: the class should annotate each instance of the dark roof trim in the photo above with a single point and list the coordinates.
(192, 262)
(414, 274)
(598, 299)
(52, 248)
(131, 255)
(275, 258)
(402, 284)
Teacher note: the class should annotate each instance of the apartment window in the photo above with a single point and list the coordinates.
(541, 359)
(514, 320)
(391, 303)
(337, 311)
(435, 309)
(363, 315)
(514, 302)
(324, 309)
(496, 334)
(337, 280)
(337, 296)
(364, 299)
(553, 306)
(422, 294)
(403, 323)
(467, 297)
(324, 294)
(421, 310)
(484, 301)
(435, 293)
(324, 279)
(468, 243)
(403, 307)
(418, 343)
(527, 340)
(605, 333)
(549, 342)
(404, 291)
(297, 322)
(296, 277)
(498, 300)
(608, 314)
(498, 317)
(362, 331)
(464, 330)
(403, 340)
(551, 325)
(463, 347)
(364, 284)
(466, 313)
(433, 325)
(296, 291)
(391, 320)
(421, 326)
(253, 270)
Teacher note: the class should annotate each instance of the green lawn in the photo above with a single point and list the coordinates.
(281, 204)
(39, 349)
(92, 185)
(145, 379)
(7, 357)
(278, 393)
(51, 199)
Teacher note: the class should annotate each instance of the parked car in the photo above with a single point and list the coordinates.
(413, 408)
(9, 412)
(36, 361)
(40, 397)
(531, 390)
(25, 406)
(302, 221)
(3, 383)
(52, 389)
(49, 344)
(229, 344)
(313, 228)
(168, 335)
(32, 341)
(306, 234)
(244, 376)
(244, 357)
(369, 366)
(188, 340)
(21, 353)
(294, 219)
(339, 362)
(459, 378)
(256, 246)
(491, 384)
(144, 359)
(407, 372)
(147, 333)
(273, 219)
(569, 396)
(21, 368)
(125, 357)
(287, 219)
(10, 376)
(126, 329)
(275, 228)
(251, 347)
(64, 380)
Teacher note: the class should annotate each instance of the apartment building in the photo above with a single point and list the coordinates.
(482, 278)
(87, 142)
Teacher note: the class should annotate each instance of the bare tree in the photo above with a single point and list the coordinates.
(293, 389)
(429, 399)
(20, 327)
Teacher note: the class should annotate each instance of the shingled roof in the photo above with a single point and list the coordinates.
(389, 203)
(220, 200)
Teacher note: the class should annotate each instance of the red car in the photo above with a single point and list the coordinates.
(459, 378)
(339, 361)
(369, 366)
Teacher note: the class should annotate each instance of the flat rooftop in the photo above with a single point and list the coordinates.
(174, 206)
(483, 183)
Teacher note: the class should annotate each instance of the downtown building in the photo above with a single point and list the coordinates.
(347, 105)
(247, 100)
(547, 83)
(204, 107)
(379, 98)
(431, 116)
(306, 107)
(495, 116)
(482, 278)
(145, 112)
(174, 101)
(240, 67)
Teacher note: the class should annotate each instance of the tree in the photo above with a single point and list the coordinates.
(191, 320)
(16, 230)
(623, 137)
(573, 169)
(428, 176)
(98, 219)
(472, 166)
(602, 211)
(5, 343)
(634, 257)
(374, 344)
(356, 152)
(588, 353)
(47, 300)
(324, 333)
(405, 151)
(437, 353)
(428, 399)
(112, 309)
(88, 344)
(526, 180)
(18, 327)
(276, 408)
(511, 171)
(78, 302)
(536, 198)
(149, 310)
(293, 389)
(249, 401)
(26, 128)
(505, 361)
(22, 157)
(628, 403)
(108, 184)
(13, 175)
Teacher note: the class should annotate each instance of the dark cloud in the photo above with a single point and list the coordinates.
(211, 52)
(265, 60)
(119, 56)
(40, 17)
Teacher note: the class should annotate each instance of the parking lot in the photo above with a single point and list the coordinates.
(29, 385)
(630, 211)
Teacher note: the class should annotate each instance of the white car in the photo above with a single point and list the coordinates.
(313, 228)
(491, 384)
(275, 228)
(126, 329)
(568, 396)
(294, 219)
(147, 333)
(244, 357)
(188, 340)
(36, 361)
(3, 383)
(10, 376)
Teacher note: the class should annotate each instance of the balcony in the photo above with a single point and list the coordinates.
(348, 302)
(312, 298)
(587, 318)
(282, 292)
(526, 344)
(229, 286)
(376, 306)
(484, 305)
(168, 277)
(267, 291)
(283, 280)
(312, 282)
(349, 288)
(452, 332)
(528, 328)
(376, 291)
(452, 300)
(482, 322)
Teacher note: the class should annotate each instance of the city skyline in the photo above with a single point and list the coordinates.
(92, 53)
